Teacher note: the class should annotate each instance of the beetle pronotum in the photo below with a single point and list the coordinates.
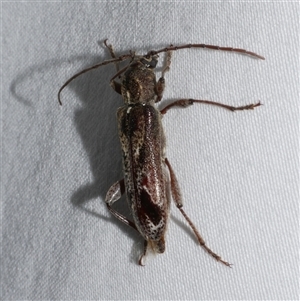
(149, 180)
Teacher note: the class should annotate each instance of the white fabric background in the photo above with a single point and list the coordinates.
(239, 172)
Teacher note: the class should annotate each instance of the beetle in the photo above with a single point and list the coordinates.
(149, 179)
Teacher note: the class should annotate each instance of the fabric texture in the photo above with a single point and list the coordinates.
(238, 172)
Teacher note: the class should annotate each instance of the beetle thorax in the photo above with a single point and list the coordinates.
(138, 84)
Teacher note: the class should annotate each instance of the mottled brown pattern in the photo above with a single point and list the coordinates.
(142, 140)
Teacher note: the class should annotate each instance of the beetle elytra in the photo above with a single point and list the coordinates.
(149, 180)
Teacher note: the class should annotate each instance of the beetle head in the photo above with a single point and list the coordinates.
(149, 61)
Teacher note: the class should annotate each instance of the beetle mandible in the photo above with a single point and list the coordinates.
(149, 180)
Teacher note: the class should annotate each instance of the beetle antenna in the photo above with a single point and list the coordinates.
(173, 48)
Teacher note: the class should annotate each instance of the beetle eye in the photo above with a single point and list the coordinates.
(149, 63)
(153, 63)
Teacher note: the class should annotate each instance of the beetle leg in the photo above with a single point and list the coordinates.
(116, 86)
(167, 64)
(176, 195)
(188, 102)
(154, 246)
(114, 193)
(112, 53)
(160, 85)
(143, 256)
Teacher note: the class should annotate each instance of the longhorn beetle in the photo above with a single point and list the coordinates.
(149, 180)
